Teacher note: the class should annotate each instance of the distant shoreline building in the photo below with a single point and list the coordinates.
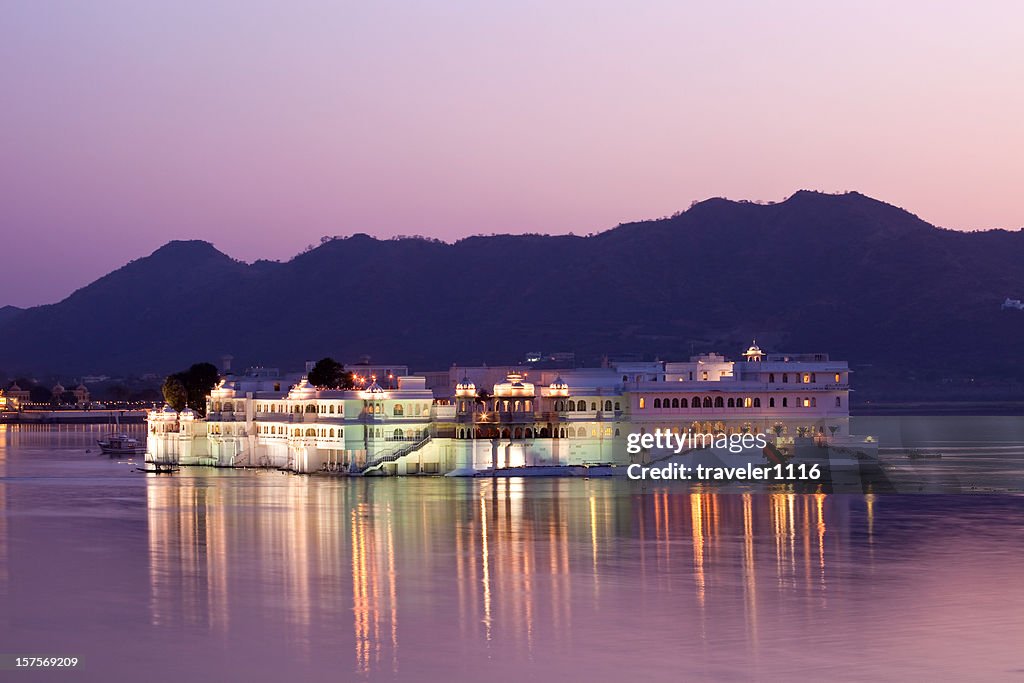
(476, 419)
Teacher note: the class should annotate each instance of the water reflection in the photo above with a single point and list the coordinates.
(257, 575)
(357, 575)
(517, 563)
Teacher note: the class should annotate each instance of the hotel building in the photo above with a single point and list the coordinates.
(483, 419)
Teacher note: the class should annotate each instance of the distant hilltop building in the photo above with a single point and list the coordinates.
(1013, 303)
(476, 419)
(16, 393)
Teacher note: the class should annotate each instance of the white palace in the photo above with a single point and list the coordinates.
(480, 419)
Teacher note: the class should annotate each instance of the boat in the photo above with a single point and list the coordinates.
(121, 444)
(117, 443)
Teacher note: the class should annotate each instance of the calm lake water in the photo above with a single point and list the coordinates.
(210, 575)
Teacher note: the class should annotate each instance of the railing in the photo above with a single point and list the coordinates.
(392, 456)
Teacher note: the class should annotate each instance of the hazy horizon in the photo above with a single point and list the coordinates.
(261, 127)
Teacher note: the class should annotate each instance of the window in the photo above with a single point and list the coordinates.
(675, 403)
(785, 402)
(642, 403)
(814, 378)
(707, 401)
(719, 403)
(731, 403)
(607, 405)
(785, 378)
(683, 402)
(657, 403)
(771, 377)
(581, 405)
(695, 403)
(838, 379)
(747, 402)
(807, 403)
(399, 409)
(593, 406)
(771, 402)
(757, 403)
(807, 378)
(704, 376)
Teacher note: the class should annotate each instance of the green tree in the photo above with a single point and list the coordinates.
(175, 393)
(198, 381)
(330, 374)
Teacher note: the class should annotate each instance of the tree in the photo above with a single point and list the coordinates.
(175, 393)
(330, 374)
(197, 382)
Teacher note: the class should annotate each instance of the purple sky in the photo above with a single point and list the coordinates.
(262, 126)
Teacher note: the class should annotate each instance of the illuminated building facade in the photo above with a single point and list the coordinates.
(532, 418)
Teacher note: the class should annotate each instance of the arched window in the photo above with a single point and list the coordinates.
(570, 405)
(331, 409)
(657, 403)
(707, 402)
(559, 406)
(785, 402)
(581, 405)
(593, 405)
(643, 401)
(399, 409)
(771, 402)
(771, 377)
(731, 403)
(332, 432)
(310, 432)
(617, 406)
(528, 406)
(683, 403)
(607, 405)
(529, 433)
(675, 403)
(719, 403)
(757, 403)
(695, 403)
(581, 432)
(839, 402)
(785, 378)
(398, 434)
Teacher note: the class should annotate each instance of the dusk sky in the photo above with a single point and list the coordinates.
(263, 126)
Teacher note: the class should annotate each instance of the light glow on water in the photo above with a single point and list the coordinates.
(259, 575)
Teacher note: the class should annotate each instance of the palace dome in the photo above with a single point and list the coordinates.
(465, 387)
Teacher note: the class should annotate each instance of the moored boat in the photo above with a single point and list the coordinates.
(121, 444)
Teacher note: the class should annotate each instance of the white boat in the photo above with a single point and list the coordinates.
(121, 444)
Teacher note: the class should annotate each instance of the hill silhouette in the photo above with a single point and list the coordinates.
(847, 274)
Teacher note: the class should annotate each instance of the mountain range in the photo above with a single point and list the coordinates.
(846, 274)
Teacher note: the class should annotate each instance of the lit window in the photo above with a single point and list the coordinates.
(838, 380)
(807, 403)
(642, 403)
